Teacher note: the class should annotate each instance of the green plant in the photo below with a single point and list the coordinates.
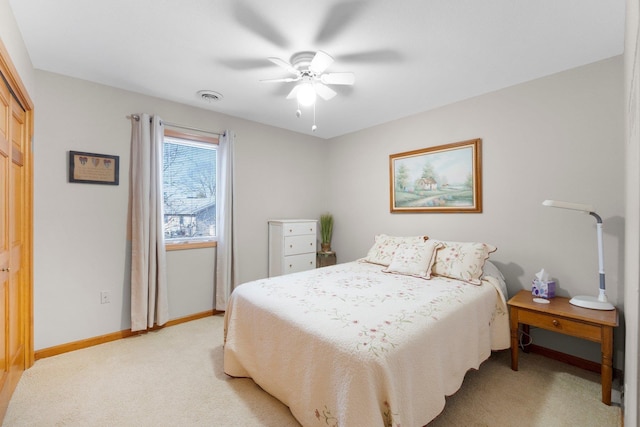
(326, 227)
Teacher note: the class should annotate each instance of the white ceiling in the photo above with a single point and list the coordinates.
(408, 56)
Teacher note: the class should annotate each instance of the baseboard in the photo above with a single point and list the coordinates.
(90, 342)
(589, 365)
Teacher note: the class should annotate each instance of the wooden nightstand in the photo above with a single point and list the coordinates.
(565, 318)
(325, 259)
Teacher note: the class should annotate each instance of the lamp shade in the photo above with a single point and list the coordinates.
(568, 205)
(306, 94)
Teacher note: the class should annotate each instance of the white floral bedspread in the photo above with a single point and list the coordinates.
(349, 345)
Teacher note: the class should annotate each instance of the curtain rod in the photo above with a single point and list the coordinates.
(175, 125)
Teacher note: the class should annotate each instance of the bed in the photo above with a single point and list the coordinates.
(368, 343)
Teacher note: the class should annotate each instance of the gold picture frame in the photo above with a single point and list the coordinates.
(442, 179)
(92, 168)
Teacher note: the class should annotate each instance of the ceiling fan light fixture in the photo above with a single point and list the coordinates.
(306, 94)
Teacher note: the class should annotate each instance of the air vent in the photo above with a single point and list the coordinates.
(209, 96)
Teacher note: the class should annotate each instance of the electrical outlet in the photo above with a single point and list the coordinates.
(105, 297)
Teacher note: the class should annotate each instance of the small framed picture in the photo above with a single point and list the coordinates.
(92, 168)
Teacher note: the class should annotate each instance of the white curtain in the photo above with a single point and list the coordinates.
(149, 304)
(226, 260)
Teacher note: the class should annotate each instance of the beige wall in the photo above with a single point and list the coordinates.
(559, 137)
(80, 230)
(632, 233)
(13, 42)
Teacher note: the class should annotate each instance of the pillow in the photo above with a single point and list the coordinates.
(462, 260)
(414, 259)
(385, 246)
(490, 269)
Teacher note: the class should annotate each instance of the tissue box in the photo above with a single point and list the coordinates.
(543, 289)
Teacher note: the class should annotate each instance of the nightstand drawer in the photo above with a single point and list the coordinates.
(560, 324)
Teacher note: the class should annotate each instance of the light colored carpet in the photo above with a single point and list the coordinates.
(173, 377)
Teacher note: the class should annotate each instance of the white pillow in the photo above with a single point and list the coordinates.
(462, 260)
(414, 259)
(490, 269)
(385, 247)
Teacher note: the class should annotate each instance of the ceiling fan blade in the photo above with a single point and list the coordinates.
(338, 78)
(338, 19)
(242, 64)
(320, 62)
(293, 92)
(324, 92)
(284, 64)
(285, 80)
(376, 56)
(254, 21)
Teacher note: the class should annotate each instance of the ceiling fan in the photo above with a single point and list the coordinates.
(308, 69)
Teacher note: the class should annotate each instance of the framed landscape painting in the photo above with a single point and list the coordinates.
(446, 178)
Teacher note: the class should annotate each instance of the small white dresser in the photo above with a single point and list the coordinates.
(292, 246)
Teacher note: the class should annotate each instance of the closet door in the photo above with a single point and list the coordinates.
(5, 209)
(14, 289)
(16, 336)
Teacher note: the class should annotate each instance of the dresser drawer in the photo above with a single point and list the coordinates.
(300, 244)
(295, 263)
(560, 324)
(298, 228)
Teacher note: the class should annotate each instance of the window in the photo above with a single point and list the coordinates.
(189, 187)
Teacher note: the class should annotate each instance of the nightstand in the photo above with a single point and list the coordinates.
(325, 259)
(560, 316)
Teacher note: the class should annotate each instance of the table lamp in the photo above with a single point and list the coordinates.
(600, 302)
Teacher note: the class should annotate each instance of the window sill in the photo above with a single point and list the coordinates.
(179, 246)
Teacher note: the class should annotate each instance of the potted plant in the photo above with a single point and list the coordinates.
(326, 229)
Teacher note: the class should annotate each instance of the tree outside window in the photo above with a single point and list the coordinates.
(189, 189)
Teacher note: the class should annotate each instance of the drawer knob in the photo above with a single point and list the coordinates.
(290, 265)
(290, 246)
(555, 322)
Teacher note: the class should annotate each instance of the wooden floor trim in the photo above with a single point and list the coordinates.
(90, 342)
(589, 365)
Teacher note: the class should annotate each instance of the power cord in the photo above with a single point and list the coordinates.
(521, 338)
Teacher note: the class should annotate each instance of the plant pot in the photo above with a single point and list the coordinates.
(325, 247)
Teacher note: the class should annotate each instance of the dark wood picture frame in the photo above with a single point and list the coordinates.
(443, 179)
(93, 168)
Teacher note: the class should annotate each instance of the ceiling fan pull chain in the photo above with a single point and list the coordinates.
(314, 127)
